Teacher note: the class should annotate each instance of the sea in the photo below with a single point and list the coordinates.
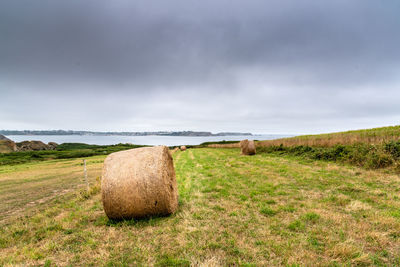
(139, 140)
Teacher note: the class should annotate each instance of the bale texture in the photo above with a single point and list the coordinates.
(247, 147)
(138, 183)
(183, 148)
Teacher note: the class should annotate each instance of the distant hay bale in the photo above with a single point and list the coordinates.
(183, 148)
(139, 183)
(247, 147)
(175, 150)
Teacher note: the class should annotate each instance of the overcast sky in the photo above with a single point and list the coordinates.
(262, 66)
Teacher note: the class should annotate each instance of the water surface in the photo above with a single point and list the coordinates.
(138, 140)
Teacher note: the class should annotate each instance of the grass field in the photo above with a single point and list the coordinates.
(63, 151)
(372, 136)
(370, 148)
(26, 187)
(261, 210)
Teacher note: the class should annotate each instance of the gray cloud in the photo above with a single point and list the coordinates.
(261, 66)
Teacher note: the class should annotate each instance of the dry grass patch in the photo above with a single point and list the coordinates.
(28, 187)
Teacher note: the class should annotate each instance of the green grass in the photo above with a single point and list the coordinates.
(263, 210)
(25, 187)
(64, 151)
(387, 131)
(361, 154)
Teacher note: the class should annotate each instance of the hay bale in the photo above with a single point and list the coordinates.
(183, 148)
(247, 147)
(139, 183)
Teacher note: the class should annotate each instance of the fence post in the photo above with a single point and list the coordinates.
(85, 172)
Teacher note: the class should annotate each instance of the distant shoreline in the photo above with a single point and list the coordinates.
(137, 140)
(90, 133)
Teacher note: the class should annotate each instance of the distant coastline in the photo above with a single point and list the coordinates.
(158, 133)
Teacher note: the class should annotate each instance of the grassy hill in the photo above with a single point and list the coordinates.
(370, 136)
(370, 148)
(263, 210)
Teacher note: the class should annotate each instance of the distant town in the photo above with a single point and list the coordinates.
(160, 133)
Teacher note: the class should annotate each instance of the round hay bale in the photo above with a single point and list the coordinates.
(247, 147)
(139, 183)
(183, 148)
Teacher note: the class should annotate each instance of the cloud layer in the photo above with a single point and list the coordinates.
(260, 66)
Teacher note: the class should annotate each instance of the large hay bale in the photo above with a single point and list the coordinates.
(139, 183)
(183, 148)
(247, 147)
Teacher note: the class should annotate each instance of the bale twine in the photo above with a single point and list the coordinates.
(139, 183)
(183, 148)
(247, 147)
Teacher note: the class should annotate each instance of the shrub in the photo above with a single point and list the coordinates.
(393, 148)
(378, 159)
(359, 154)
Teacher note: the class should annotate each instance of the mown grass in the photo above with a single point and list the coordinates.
(238, 210)
(26, 187)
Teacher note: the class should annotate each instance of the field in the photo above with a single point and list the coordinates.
(369, 136)
(63, 151)
(374, 136)
(375, 148)
(234, 210)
